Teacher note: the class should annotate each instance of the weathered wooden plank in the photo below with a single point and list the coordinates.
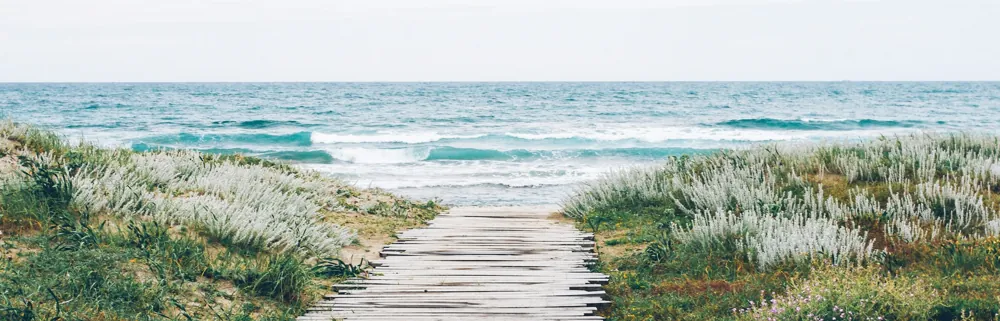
(497, 294)
(563, 269)
(492, 255)
(481, 264)
(472, 259)
(485, 246)
(528, 288)
(432, 310)
(476, 264)
(543, 302)
(429, 241)
(462, 317)
(466, 277)
(494, 272)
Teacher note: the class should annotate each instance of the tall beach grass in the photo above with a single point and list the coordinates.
(90, 233)
(775, 211)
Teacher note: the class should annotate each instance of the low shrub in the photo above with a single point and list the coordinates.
(844, 293)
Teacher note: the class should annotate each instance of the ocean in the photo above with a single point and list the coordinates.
(491, 143)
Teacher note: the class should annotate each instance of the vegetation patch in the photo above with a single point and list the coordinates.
(896, 228)
(111, 234)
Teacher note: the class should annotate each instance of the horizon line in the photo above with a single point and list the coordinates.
(487, 81)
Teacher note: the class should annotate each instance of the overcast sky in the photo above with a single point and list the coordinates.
(498, 40)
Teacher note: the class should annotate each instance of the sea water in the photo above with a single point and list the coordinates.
(490, 143)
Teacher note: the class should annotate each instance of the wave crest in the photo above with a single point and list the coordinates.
(418, 154)
(259, 123)
(362, 155)
(380, 155)
(293, 139)
(808, 124)
(408, 138)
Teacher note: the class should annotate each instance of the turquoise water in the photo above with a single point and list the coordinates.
(490, 143)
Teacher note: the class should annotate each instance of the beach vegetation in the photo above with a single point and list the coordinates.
(91, 233)
(892, 228)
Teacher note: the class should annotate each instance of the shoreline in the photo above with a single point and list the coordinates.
(546, 208)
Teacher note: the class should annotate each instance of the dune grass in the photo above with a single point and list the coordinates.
(111, 234)
(895, 228)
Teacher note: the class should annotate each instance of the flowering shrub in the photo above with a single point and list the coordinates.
(768, 239)
(839, 293)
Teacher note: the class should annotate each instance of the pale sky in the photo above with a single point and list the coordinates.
(498, 40)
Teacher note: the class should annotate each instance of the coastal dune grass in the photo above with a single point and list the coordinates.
(911, 220)
(247, 205)
(90, 233)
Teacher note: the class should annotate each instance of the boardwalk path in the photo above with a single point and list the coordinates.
(476, 264)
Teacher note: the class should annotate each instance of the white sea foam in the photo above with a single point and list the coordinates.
(663, 134)
(379, 155)
(619, 132)
(470, 173)
(406, 138)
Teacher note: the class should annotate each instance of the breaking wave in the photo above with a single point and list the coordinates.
(808, 124)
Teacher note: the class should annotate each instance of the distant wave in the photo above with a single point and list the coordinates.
(97, 125)
(362, 155)
(412, 155)
(297, 139)
(582, 136)
(451, 153)
(379, 155)
(294, 139)
(807, 124)
(733, 131)
(477, 184)
(407, 138)
(259, 123)
(667, 134)
(417, 154)
(310, 156)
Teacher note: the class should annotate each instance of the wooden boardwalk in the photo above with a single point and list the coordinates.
(476, 264)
